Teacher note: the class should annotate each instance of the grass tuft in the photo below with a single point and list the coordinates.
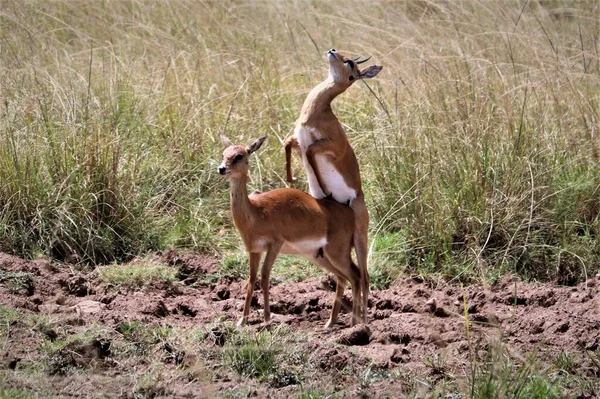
(136, 275)
(477, 143)
(12, 393)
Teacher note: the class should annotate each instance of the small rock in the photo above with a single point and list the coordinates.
(49, 309)
(537, 328)
(493, 319)
(328, 283)
(479, 318)
(563, 327)
(88, 307)
(73, 320)
(431, 305)
(441, 312)
(408, 308)
(382, 314)
(174, 290)
(315, 316)
(159, 309)
(331, 358)
(357, 335)
(78, 286)
(108, 298)
(384, 304)
(60, 300)
(437, 341)
(222, 292)
(186, 310)
(30, 305)
(47, 265)
(399, 356)
(399, 338)
(37, 299)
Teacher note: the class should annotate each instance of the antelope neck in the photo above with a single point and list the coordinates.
(320, 97)
(240, 204)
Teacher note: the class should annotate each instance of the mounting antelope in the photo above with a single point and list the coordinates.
(289, 221)
(328, 158)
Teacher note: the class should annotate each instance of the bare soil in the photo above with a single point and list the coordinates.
(416, 327)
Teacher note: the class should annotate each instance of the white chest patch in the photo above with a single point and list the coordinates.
(258, 245)
(329, 174)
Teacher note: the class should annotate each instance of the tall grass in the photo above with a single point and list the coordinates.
(477, 143)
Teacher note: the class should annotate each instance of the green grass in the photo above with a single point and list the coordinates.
(7, 317)
(285, 268)
(16, 281)
(260, 355)
(501, 375)
(478, 149)
(235, 266)
(15, 394)
(137, 275)
(251, 355)
(313, 394)
(269, 356)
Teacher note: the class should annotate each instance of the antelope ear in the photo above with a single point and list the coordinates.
(226, 142)
(371, 71)
(256, 145)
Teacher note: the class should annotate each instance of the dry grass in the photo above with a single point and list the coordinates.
(478, 150)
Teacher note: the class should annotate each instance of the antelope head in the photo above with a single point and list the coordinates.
(235, 157)
(345, 70)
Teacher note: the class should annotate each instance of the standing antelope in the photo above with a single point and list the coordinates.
(327, 156)
(289, 221)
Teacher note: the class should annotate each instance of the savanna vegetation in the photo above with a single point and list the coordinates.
(477, 143)
(478, 146)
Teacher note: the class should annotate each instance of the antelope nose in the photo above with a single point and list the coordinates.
(222, 169)
(331, 50)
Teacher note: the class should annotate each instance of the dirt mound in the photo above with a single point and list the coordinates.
(191, 267)
(408, 323)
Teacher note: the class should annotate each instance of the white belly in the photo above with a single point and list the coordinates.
(308, 248)
(330, 176)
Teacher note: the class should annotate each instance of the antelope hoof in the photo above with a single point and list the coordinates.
(330, 323)
(241, 322)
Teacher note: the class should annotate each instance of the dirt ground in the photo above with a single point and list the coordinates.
(416, 328)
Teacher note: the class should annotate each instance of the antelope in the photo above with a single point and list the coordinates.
(289, 221)
(330, 163)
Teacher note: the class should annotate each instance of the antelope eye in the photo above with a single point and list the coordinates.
(238, 157)
(350, 63)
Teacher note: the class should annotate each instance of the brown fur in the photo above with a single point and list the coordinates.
(327, 136)
(269, 222)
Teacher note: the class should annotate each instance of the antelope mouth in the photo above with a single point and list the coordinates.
(223, 171)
